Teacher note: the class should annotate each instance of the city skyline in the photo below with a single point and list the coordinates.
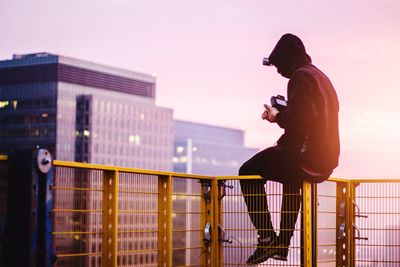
(86, 112)
(216, 50)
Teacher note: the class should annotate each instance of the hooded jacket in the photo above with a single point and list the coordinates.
(311, 136)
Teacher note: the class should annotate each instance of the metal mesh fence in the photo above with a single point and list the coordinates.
(188, 219)
(172, 210)
(240, 234)
(79, 211)
(137, 219)
(77, 216)
(378, 223)
(326, 224)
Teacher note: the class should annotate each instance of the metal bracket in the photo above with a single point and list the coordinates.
(206, 188)
(222, 234)
(342, 232)
(358, 237)
(358, 213)
(223, 191)
(44, 160)
(207, 234)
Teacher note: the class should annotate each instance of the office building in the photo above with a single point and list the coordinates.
(209, 150)
(82, 111)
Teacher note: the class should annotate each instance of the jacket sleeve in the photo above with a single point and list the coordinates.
(301, 110)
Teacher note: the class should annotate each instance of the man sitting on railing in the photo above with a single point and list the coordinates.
(308, 149)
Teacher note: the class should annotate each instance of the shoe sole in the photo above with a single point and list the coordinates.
(268, 255)
(280, 258)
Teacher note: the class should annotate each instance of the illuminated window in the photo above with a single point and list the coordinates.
(134, 139)
(4, 104)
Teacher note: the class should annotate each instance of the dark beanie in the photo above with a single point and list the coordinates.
(287, 48)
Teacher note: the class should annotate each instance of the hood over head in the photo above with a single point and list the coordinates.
(288, 54)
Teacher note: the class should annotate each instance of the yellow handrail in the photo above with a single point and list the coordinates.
(104, 210)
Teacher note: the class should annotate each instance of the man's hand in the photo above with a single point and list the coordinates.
(269, 113)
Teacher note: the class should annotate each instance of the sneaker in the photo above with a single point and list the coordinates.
(264, 251)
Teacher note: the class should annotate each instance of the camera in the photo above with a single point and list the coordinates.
(279, 102)
(266, 62)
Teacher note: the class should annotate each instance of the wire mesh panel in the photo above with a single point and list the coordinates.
(378, 222)
(77, 216)
(326, 224)
(137, 219)
(239, 234)
(122, 217)
(188, 219)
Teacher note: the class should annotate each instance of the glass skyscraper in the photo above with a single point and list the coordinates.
(209, 150)
(82, 111)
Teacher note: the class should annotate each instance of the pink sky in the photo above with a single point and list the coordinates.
(207, 57)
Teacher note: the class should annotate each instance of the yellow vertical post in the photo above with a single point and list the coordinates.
(165, 221)
(205, 218)
(314, 203)
(343, 224)
(110, 219)
(351, 221)
(307, 225)
(216, 244)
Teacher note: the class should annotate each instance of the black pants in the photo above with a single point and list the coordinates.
(272, 165)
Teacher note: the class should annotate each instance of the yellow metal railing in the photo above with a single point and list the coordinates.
(377, 221)
(358, 222)
(331, 215)
(113, 216)
(238, 235)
